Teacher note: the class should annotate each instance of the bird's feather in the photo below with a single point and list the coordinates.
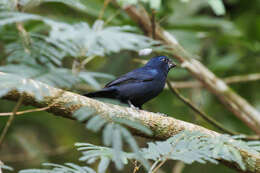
(136, 75)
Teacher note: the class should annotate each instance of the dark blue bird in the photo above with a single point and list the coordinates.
(140, 85)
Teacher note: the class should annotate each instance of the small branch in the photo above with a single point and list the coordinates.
(228, 80)
(159, 165)
(137, 167)
(112, 17)
(23, 33)
(26, 111)
(199, 112)
(101, 14)
(207, 117)
(166, 158)
(19, 103)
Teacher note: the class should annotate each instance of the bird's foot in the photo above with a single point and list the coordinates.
(132, 106)
(136, 108)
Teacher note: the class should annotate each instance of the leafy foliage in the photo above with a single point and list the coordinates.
(217, 5)
(60, 77)
(196, 146)
(5, 167)
(91, 153)
(154, 4)
(35, 51)
(10, 82)
(97, 40)
(186, 146)
(80, 39)
(114, 132)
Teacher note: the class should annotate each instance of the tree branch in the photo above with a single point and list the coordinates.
(64, 103)
(235, 103)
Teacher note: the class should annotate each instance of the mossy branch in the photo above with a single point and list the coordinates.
(64, 103)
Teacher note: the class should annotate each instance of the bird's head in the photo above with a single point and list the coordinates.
(162, 62)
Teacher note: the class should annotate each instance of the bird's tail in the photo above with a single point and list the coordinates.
(104, 93)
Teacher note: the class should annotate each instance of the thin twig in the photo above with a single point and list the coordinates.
(158, 166)
(153, 166)
(228, 80)
(112, 17)
(137, 167)
(196, 84)
(26, 111)
(101, 14)
(166, 158)
(87, 60)
(200, 112)
(178, 167)
(19, 103)
(153, 24)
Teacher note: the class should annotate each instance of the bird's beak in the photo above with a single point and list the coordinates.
(171, 64)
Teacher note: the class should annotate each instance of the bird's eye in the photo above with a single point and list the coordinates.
(164, 60)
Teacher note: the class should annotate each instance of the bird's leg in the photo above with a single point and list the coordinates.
(131, 105)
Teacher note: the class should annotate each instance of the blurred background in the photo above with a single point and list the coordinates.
(226, 40)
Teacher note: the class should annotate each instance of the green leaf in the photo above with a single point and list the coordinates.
(96, 123)
(107, 133)
(155, 4)
(133, 124)
(84, 113)
(9, 82)
(117, 146)
(103, 165)
(217, 6)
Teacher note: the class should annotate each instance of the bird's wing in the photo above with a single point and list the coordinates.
(138, 75)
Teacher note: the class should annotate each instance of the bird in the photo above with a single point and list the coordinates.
(138, 86)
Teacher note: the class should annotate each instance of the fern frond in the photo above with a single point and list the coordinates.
(82, 40)
(98, 40)
(5, 167)
(10, 82)
(92, 153)
(114, 133)
(192, 147)
(59, 77)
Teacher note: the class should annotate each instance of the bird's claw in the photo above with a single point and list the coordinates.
(132, 106)
(136, 108)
